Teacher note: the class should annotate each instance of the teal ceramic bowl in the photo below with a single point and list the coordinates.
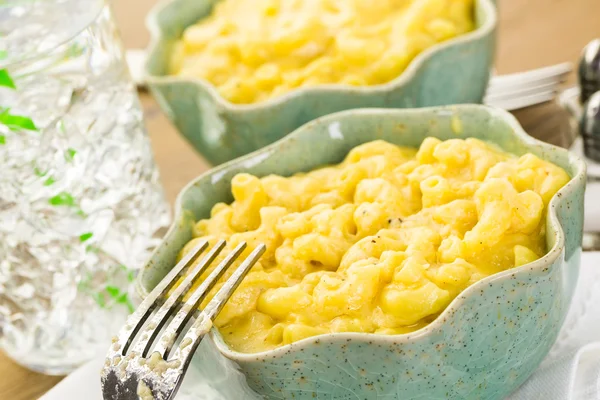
(453, 72)
(488, 340)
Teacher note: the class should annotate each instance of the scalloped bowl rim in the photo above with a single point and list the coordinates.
(489, 24)
(519, 133)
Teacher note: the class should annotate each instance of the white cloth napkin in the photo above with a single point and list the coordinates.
(571, 371)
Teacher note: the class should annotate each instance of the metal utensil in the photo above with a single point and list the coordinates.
(589, 127)
(143, 361)
(523, 89)
(589, 70)
(582, 102)
(589, 130)
(511, 92)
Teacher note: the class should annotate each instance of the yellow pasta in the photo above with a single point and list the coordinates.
(252, 50)
(410, 230)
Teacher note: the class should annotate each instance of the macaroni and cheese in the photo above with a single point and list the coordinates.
(252, 50)
(380, 243)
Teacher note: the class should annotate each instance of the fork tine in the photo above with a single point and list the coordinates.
(522, 102)
(214, 307)
(136, 320)
(502, 94)
(173, 330)
(510, 85)
(203, 323)
(160, 318)
(521, 78)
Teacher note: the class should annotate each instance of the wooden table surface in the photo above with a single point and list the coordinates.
(532, 34)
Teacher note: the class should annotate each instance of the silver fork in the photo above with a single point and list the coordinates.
(152, 369)
(523, 89)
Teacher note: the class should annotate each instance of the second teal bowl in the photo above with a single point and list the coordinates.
(487, 341)
(453, 72)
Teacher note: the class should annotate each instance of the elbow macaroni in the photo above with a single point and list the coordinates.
(253, 50)
(408, 232)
